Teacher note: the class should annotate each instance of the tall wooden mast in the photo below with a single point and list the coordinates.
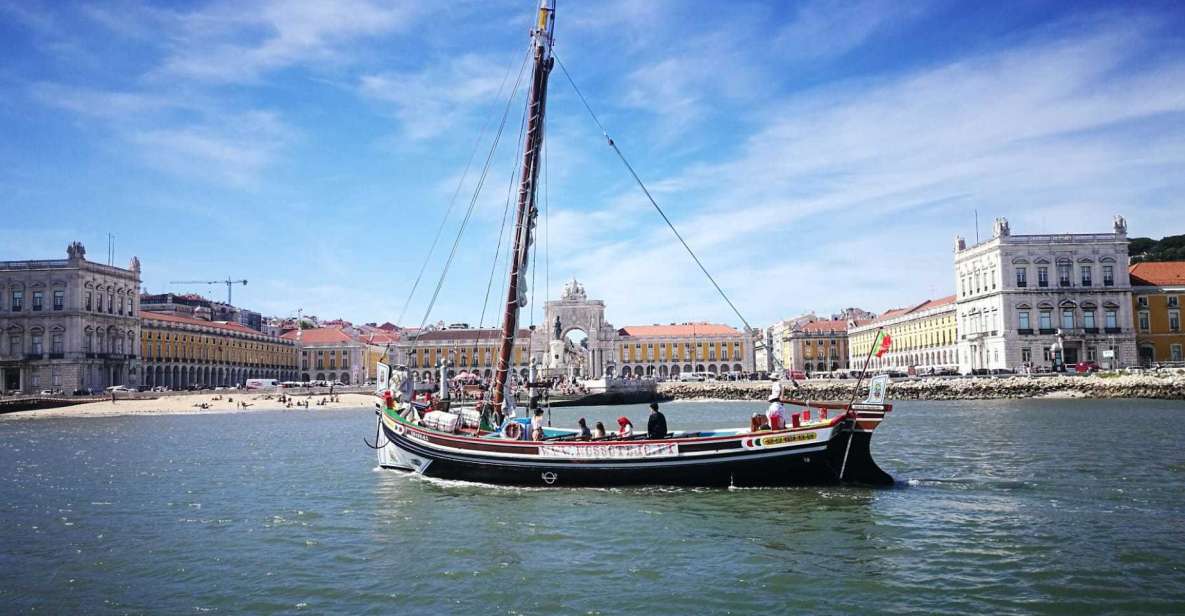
(516, 296)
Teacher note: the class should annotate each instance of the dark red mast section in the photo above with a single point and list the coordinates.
(525, 215)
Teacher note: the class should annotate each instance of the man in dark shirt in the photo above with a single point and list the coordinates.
(656, 427)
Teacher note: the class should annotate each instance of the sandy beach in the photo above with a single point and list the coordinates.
(222, 402)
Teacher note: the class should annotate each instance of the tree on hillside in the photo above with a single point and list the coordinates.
(1137, 246)
(1169, 248)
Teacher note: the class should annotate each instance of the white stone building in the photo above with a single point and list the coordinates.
(68, 324)
(1043, 300)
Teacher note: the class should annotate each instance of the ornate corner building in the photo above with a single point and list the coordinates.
(1040, 301)
(68, 324)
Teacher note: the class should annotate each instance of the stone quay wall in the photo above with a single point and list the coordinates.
(1166, 385)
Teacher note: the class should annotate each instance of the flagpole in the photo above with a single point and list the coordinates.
(855, 394)
(867, 360)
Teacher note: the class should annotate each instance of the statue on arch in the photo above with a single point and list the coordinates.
(558, 331)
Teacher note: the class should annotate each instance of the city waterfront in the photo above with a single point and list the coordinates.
(1010, 506)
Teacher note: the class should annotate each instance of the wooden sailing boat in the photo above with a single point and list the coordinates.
(823, 443)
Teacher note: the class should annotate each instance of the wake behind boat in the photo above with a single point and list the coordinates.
(822, 443)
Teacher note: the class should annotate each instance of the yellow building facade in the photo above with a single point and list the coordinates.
(180, 352)
(466, 349)
(1158, 290)
(666, 351)
(924, 338)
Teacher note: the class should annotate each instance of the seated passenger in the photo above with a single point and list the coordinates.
(625, 428)
(585, 433)
(599, 430)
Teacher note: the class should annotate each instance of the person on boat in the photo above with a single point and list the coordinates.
(585, 433)
(758, 423)
(776, 413)
(599, 430)
(625, 428)
(656, 426)
(508, 402)
(537, 425)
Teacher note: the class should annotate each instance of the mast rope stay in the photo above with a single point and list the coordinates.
(476, 193)
(485, 302)
(457, 191)
(650, 197)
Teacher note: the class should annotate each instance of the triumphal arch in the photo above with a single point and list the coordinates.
(559, 352)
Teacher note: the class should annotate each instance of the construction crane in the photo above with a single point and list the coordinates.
(228, 282)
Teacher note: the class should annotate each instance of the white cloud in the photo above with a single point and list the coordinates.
(235, 150)
(824, 28)
(204, 142)
(230, 42)
(107, 104)
(1046, 126)
(442, 95)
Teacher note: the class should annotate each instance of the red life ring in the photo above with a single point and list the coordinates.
(513, 431)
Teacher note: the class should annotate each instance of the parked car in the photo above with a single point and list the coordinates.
(797, 375)
(1086, 367)
(51, 392)
(119, 388)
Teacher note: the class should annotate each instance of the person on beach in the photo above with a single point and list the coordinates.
(625, 428)
(656, 425)
(599, 430)
(585, 433)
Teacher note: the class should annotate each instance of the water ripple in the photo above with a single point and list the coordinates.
(1000, 506)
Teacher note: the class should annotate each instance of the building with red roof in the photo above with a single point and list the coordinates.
(666, 351)
(181, 351)
(1158, 290)
(575, 341)
(923, 338)
(811, 346)
(331, 354)
(466, 349)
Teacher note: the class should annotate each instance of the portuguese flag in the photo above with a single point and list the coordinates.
(882, 342)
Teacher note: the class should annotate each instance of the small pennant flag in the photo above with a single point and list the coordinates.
(882, 343)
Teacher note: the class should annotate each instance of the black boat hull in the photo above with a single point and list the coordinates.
(809, 464)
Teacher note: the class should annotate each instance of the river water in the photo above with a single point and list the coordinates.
(1054, 506)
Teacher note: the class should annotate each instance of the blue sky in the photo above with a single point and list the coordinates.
(816, 155)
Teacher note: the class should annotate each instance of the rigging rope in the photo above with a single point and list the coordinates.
(546, 227)
(453, 200)
(485, 303)
(646, 191)
(476, 193)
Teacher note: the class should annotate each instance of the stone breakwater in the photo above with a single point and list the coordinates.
(1163, 385)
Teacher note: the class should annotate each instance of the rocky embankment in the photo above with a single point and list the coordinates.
(1167, 385)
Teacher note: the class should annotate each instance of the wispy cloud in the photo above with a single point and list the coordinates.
(235, 150)
(231, 42)
(1044, 125)
(183, 136)
(439, 96)
(828, 28)
(108, 104)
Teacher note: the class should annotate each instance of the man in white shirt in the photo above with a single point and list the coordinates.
(776, 413)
